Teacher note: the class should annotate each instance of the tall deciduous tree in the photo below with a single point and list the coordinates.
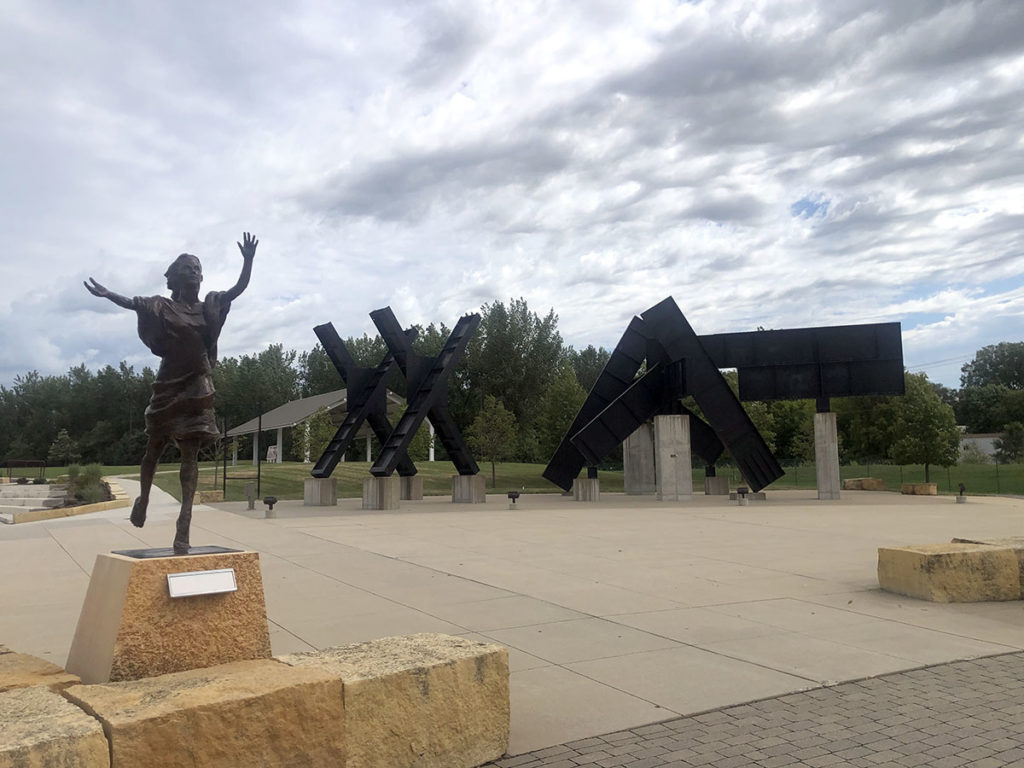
(559, 407)
(925, 430)
(1010, 445)
(492, 436)
(1001, 363)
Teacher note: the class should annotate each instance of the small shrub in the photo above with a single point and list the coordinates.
(39, 481)
(22, 481)
(86, 483)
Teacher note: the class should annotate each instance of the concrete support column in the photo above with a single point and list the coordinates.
(586, 489)
(319, 492)
(234, 453)
(672, 457)
(430, 448)
(280, 445)
(381, 492)
(412, 488)
(638, 462)
(468, 489)
(255, 450)
(826, 455)
(369, 446)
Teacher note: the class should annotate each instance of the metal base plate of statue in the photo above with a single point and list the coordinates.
(147, 615)
(182, 331)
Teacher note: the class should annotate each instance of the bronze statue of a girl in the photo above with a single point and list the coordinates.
(182, 331)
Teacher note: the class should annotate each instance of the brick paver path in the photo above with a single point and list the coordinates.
(967, 713)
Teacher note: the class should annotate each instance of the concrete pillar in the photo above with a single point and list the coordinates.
(305, 442)
(672, 457)
(826, 455)
(412, 488)
(234, 453)
(319, 492)
(280, 445)
(586, 489)
(255, 449)
(716, 486)
(369, 446)
(638, 462)
(430, 447)
(468, 489)
(381, 492)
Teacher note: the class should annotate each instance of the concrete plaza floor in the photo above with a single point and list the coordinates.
(616, 615)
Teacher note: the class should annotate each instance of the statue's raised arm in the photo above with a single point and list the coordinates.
(98, 290)
(248, 249)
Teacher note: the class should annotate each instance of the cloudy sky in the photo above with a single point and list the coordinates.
(768, 163)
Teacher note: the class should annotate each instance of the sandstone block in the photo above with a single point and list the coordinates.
(919, 489)
(427, 700)
(42, 730)
(1016, 543)
(950, 573)
(208, 497)
(19, 670)
(864, 484)
(240, 715)
(130, 627)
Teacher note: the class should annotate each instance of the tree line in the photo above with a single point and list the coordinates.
(514, 394)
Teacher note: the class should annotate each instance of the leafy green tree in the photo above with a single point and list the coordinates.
(317, 374)
(559, 407)
(63, 450)
(925, 430)
(588, 364)
(1010, 446)
(1001, 363)
(492, 436)
(983, 408)
(793, 423)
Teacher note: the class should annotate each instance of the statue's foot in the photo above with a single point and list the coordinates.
(180, 548)
(138, 516)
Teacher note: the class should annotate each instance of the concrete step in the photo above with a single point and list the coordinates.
(13, 490)
(37, 502)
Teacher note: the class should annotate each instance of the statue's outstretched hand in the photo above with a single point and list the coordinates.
(96, 289)
(248, 246)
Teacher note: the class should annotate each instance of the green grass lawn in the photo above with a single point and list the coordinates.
(285, 480)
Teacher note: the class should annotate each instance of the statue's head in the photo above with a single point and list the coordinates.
(184, 272)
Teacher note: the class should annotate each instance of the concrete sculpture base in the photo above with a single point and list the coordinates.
(716, 486)
(412, 488)
(586, 489)
(319, 492)
(130, 627)
(381, 492)
(468, 489)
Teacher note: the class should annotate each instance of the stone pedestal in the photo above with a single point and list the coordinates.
(826, 455)
(586, 489)
(638, 462)
(468, 489)
(672, 457)
(716, 486)
(319, 492)
(130, 627)
(420, 701)
(412, 488)
(381, 492)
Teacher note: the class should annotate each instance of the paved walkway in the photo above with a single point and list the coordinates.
(968, 713)
(616, 615)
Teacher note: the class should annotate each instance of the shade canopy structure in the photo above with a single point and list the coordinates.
(297, 411)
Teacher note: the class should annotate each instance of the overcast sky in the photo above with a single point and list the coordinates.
(772, 163)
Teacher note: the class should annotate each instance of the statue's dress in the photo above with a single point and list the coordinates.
(185, 337)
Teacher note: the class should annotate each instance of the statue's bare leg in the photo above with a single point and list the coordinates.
(154, 450)
(189, 475)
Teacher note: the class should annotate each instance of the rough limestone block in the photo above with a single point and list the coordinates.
(427, 700)
(4, 649)
(382, 492)
(950, 573)
(19, 670)
(586, 489)
(208, 497)
(468, 489)
(241, 715)
(864, 484)
(130, 627)
(319, 492)
(919, 489)
(1016, 543)
(42, 730)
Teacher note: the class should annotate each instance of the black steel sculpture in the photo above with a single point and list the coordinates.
(182, 331)
(366, 400)
(426, 392)
(817, 363)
